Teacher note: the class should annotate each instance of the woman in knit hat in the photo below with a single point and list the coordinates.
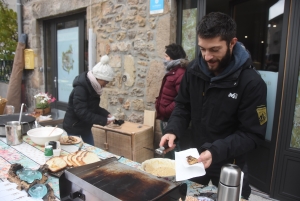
(175, 64)
(83, 107)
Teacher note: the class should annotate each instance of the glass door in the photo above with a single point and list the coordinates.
(287, 164)
(260, 27)
(65, 55)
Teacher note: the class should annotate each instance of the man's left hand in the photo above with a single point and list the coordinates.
(205, 158)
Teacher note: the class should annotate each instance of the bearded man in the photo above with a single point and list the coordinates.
(224, 99)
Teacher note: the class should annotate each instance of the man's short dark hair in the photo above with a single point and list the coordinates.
(175, 51)
(217, 24)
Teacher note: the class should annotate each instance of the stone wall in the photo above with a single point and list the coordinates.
(126, 31)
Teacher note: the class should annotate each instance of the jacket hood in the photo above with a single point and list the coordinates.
(184, 63)
(239, 56)
(82, 80)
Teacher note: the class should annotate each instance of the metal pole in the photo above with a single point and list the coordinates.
(19, 15)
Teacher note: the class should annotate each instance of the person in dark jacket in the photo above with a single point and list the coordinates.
(224, 98)
(83, 107)
(175, 64)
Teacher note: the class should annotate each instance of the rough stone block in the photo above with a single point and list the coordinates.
(138, 104)
(115, 61)
(132, 2)
(129, 69)
(126, 105)
(154, 77)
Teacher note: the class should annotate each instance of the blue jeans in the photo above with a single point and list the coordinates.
(87, 137)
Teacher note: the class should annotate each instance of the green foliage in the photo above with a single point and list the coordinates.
(8, 32)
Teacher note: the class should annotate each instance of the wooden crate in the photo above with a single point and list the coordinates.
(127, 141)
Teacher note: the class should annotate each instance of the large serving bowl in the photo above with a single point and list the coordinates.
(41, 135)
(160, 167)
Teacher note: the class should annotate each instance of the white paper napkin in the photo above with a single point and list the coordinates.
(185, 171)
(45, 118)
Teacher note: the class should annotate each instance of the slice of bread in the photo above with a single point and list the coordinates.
(74, 160)
(66, 160)
(90, 157)
(70, 159)
(79, 159)
(56, 164)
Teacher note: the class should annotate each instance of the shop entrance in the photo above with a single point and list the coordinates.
(64, 55)
(286, 171)
(260, 25)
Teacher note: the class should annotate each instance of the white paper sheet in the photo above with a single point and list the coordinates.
(184, 171)
(9, 191)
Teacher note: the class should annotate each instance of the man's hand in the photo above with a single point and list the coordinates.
(168, 139)
(205, 158)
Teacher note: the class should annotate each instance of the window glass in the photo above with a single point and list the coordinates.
(189, 24)
(67, 61)
(295, 138)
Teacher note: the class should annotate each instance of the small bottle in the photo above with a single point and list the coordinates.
(48, 152)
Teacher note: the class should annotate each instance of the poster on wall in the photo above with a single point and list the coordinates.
(156, 6)
(67, 61)
(271, 79)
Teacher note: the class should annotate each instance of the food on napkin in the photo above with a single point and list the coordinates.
(191, 160)
(56, 164)
(185, 171)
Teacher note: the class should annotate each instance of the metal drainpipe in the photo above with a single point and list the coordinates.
(19, 14)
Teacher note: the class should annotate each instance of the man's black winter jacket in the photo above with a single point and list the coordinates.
(228, 117)
(83, 108)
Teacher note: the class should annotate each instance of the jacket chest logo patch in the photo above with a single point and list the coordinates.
(233, 95)
(262, 114)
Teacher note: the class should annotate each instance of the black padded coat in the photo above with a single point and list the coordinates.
(228, 117)
(83, 108)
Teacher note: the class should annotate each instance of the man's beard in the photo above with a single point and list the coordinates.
(223, 63)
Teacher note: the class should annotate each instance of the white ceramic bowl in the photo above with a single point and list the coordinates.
(160, 167)
(41, 135)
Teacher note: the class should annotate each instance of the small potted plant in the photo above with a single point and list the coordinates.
(42, 103)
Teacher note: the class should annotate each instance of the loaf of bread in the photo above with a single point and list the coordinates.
(77, 158)
(56, 164)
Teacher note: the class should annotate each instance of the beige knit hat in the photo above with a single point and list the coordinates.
(102, 70)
